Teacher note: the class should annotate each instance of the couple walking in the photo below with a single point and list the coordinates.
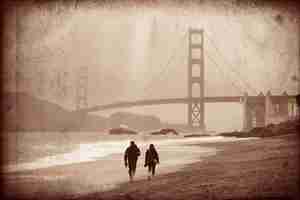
(131, 156)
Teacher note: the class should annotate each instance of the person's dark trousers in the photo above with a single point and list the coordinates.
(132, 167)
(151, 168)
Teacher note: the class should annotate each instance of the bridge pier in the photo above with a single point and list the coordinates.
(262, 110)
(293, 109)
(278, 109)
(284, 107)
(247, 125)
(269, 107)
(254, 111)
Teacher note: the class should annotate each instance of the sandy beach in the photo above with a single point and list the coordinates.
(237, 169)
(255, 169)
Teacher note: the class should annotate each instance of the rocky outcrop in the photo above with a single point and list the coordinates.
(134, 121)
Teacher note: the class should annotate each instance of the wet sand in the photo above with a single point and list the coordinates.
(100, 174)
(253, 169)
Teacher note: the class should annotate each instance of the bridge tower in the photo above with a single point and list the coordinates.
(196, 108)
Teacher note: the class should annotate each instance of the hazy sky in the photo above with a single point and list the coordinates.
(140, 51)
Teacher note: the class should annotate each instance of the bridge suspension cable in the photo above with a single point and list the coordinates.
(242, 79)
(242, 45)
(164, 67)
(275, 28)
(231, 68)
(279, 57)
(240, 86)
(223, 73)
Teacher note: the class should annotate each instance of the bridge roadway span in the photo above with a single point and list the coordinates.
(149, 102)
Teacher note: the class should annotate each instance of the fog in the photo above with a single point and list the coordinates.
(136, 51)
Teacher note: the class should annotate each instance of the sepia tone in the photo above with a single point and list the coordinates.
(150, 99)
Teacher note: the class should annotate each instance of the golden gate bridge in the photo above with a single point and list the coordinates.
(258, 110)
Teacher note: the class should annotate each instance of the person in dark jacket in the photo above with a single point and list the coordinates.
(151, 159)
(130, 158)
